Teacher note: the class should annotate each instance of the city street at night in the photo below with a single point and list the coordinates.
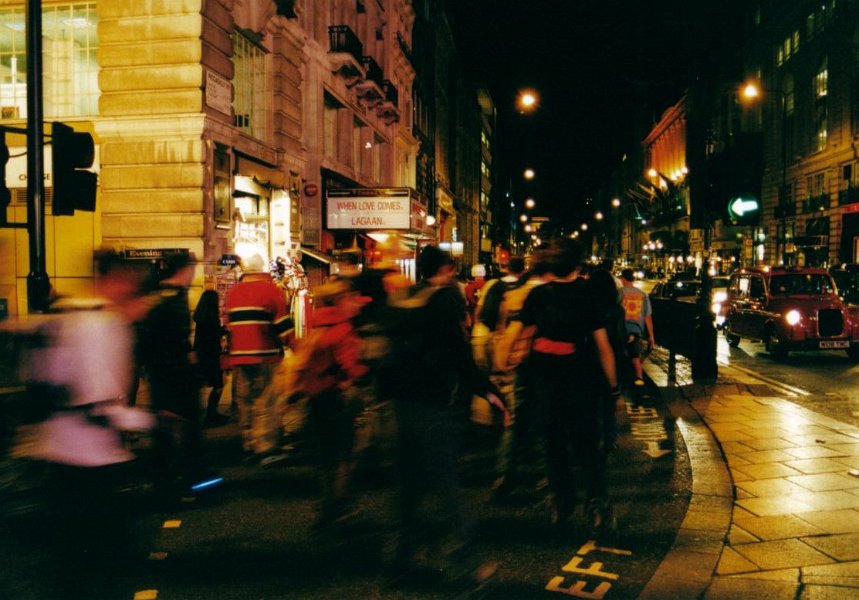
(429, 299)
(788, 525)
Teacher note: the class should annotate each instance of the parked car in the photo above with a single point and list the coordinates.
(686, 289)
(846, 276)
(794, 308)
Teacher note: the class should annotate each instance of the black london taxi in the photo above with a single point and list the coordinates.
(793, 308)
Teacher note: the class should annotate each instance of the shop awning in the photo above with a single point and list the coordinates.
(263, 174)
(323, 258)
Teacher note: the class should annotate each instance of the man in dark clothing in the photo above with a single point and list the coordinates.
(572, 361)
(431, 401)
(174, 386)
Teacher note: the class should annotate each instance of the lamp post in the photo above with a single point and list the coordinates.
(752, 91)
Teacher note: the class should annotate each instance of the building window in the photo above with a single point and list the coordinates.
(69, 61)
(376, 153)
(787, 48)
(249, 86)
(357, 145)
(789, 120)
(329, 126)
(821, 90)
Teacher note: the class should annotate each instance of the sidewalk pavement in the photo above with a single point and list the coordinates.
(774, 511)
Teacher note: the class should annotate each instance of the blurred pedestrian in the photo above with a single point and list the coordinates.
(376, 428)
(573, 362)
(259, 324)
(84, 371)
(473, 289)
(174, 385)
(519, 450)
(639, 324)
(326, 370)
(208, 338)
(606, 297)
(432, 392)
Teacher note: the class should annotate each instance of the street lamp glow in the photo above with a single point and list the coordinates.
(615, 202)
(651, 172)
(529, 203)
(528, 174)
(598, 216)
(523, 218)
(751, 91)
(528, 228)
(584, 226)
(528, 100)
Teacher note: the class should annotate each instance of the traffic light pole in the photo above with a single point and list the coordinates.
(38, 285)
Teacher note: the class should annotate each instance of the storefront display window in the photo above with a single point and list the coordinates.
(251, 224)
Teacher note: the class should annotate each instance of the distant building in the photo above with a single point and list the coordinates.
(803, 57)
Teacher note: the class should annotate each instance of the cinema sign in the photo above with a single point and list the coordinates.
(375, 208)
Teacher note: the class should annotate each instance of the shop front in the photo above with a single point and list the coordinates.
(378, 218)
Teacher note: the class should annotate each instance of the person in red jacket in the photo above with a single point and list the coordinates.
(259, 324)
(326, 369)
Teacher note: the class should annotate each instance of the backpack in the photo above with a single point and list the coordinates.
(508, 349)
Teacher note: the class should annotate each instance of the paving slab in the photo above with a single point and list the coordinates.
(793, 526)
(782, 554)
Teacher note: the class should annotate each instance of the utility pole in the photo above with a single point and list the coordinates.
(38, 286)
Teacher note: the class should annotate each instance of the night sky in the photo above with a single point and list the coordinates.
(601, 66)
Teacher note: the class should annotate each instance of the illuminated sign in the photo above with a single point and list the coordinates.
(372, 208)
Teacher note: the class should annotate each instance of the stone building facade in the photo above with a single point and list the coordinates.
(220, 126)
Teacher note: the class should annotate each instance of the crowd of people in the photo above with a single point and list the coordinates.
(545, 345)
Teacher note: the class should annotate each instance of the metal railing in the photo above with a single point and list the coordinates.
(342, 39)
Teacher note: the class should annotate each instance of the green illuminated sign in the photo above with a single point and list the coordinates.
(743, 208)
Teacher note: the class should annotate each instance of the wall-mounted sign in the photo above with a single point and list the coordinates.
(311, 189)
(219, 93)
(371, 208)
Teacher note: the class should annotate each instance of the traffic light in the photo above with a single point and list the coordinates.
(5, 194)
(74, 188)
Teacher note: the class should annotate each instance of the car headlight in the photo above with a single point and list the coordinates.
(792, 317)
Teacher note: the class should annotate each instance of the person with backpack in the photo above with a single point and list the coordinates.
(486, 312)
(432, 380)
(573, 361)
(326, 369)
(518, 447)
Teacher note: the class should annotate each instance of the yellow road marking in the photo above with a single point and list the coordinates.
(146, 595)
(157, 555)
(172, 524)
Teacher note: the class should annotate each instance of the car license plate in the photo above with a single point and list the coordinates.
(835, 344)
